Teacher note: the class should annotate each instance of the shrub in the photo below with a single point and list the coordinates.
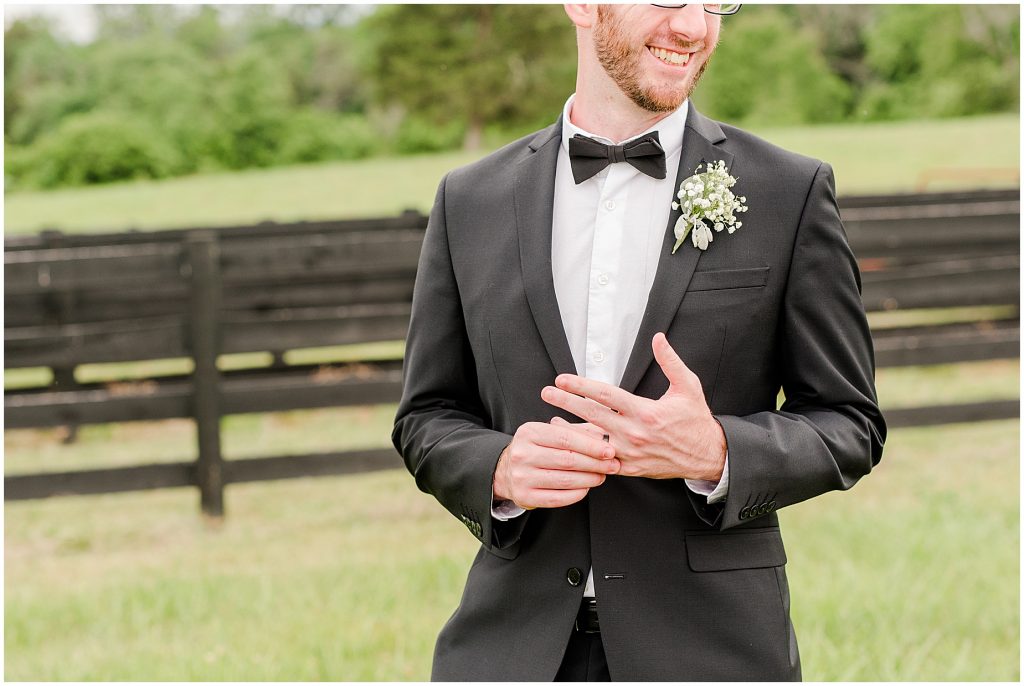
(97, 147)
(313, 135)
(417, 135)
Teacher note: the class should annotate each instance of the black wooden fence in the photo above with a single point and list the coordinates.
(201, 293)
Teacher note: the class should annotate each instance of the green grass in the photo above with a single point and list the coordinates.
(868, 158)
(912, 575)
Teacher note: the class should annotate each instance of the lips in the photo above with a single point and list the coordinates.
(678, 59)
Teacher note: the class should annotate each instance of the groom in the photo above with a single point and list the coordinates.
(600, 412)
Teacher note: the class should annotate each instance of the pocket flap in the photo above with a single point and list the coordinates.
(729, 278)
(745, 549)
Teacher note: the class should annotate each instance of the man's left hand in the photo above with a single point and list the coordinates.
(672, 437)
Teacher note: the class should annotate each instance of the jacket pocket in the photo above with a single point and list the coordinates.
(721, 279)
(739, 549)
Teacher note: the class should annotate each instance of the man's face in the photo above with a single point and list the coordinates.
(655, 55)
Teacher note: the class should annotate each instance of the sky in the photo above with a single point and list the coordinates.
(75, 22)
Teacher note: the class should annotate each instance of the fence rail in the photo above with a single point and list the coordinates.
(135, 296)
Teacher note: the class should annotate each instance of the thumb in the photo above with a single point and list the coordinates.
(675, 369)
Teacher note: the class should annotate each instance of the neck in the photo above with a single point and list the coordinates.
(610, 114)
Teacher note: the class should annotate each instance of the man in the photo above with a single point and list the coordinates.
(599, 411)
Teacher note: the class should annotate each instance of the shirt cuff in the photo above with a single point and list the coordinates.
(714, 492)
(504, 510)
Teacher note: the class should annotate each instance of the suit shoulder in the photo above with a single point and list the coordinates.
(496, 166)
(765, 152)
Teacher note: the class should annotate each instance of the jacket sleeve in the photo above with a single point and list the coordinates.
(829, 431)
(441, 427)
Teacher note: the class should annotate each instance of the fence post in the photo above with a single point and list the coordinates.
(203, 258)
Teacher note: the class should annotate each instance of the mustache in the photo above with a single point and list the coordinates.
(675, 43)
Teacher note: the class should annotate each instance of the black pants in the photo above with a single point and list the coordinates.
(584, 659)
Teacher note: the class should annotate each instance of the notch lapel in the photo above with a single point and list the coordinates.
(700, 144)
(534, 194)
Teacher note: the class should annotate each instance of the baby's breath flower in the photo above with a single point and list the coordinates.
(706, 203)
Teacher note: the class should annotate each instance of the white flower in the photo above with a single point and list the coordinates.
(706, 203)
(701, 236)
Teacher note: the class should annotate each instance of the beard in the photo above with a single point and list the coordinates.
(621, 60)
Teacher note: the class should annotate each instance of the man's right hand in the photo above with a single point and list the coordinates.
(549, 465)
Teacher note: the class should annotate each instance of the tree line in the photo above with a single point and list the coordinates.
(167, 90)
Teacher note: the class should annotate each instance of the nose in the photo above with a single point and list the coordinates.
(690, 22)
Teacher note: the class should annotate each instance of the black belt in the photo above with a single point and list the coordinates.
(586, 618)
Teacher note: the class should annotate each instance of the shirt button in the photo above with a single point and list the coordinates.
(609, 205)
(603, 279)
(599, 357)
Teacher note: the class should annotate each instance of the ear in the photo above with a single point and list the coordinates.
(581, 15)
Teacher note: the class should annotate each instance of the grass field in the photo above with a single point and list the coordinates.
(912, 575)
(867, 158)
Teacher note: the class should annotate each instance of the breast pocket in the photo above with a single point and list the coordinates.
(727, 279)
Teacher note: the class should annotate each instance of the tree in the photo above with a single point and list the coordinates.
(479, 64)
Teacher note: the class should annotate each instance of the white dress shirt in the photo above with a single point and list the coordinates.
(606, 239)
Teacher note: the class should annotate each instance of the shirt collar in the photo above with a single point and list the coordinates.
(670, 129)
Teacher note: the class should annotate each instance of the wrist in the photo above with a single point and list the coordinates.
(717, 449)
(499, 484)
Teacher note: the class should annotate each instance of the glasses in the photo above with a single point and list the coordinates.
(720, 10)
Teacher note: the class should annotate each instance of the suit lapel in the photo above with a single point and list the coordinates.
(534, 206)
(700, 144)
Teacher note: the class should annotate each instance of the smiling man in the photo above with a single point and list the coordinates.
(594, 356)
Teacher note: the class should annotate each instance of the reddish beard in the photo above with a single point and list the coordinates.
(621, 60)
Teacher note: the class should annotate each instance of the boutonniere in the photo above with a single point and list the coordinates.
(707, 203)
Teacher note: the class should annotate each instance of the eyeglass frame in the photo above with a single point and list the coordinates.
(717, 14)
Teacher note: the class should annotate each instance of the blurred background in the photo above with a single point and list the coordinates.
(212, 215)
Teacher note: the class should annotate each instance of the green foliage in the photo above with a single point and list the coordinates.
(260, 85)
(767, 70)
(472, 63)
(416, 135)
(943, 61)
(313, 135)
(97, 147)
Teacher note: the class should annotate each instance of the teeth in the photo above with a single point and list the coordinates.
(670, 57)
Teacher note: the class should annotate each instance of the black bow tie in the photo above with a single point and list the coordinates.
(588, 156)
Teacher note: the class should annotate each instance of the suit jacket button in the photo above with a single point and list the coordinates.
(574, 576)
(744, 513)
(771, 506)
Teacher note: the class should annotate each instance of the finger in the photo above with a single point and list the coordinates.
(585, 408)
(562, 480)
(566, 460)
(587, 427)
(603, 393)
(535, 498)
(675, 369)
(565, 438)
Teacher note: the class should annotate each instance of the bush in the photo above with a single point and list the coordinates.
(313, 135)
(98, 147)
(417, 135)
(766, 70)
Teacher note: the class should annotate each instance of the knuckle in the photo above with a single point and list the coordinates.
(636, 436)
(564, 480)
(648, 416)
(566, 460)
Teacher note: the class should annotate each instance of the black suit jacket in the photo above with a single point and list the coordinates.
(687, 591)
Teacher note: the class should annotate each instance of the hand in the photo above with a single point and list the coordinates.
(672, 437)
(551, 466)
